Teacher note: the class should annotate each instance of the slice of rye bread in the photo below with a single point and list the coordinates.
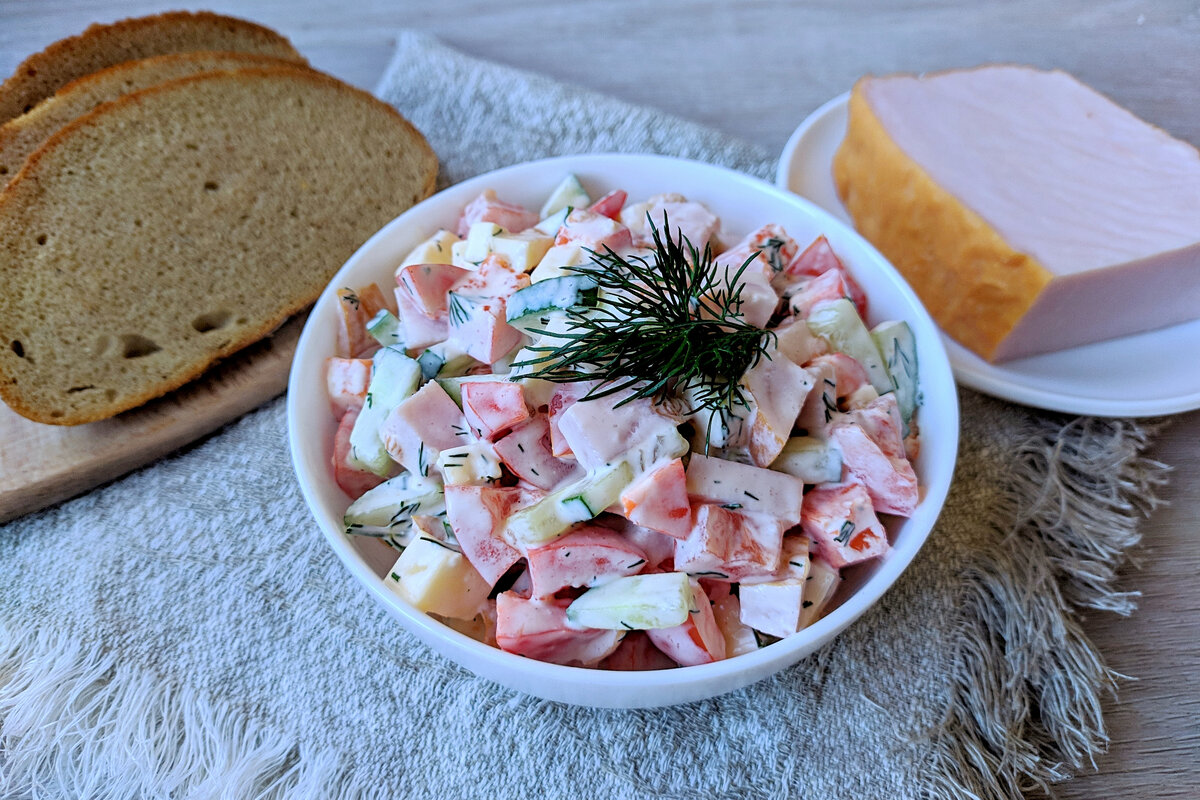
(173, 226)
(22, 135)
(103, 45)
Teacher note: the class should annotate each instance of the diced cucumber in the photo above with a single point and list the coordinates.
(899, 349)
(810, 459)
(394, 376)
(389, 507)
(552, 222)
(473, 463)
(838, 323)
(526, 306)
(443, 360)
(635, 602)
(569, 192)
(385, 328)
(550, 517)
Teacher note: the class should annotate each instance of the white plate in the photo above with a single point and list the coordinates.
(1145, 374)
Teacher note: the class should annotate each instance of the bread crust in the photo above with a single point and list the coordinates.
(30, 191)
(22, 135)
(103, 45)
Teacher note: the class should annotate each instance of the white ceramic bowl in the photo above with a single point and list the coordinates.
(743, 203)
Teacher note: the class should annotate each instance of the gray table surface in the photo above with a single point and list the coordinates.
(755, 70)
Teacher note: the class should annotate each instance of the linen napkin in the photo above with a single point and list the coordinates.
(185, 631)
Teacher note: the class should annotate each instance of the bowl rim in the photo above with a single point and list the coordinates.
(748, 667)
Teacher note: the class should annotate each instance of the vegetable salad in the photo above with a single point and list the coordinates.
(503, 426)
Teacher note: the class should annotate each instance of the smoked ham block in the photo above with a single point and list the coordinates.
(1029, 212)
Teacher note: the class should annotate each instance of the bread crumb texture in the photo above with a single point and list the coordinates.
(176, 225)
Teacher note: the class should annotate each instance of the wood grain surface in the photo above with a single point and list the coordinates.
(755, 70)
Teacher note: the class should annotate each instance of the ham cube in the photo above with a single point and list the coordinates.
(487, 207)
(658, 500)
(599, 431)
(493, 408)
(494, 278)
(772, 607)
(745, 487)
(346, 381)
(427, 285)
(587, 556)
(739, 637)
(420, 329)
(778, 388)
(527, 453)
(354, 482)
(476, 515)
(841, 521)
(421, 426)
(688, 220)
(730, 545)
(594, 231)
(848, 374)
(698, 640)
(564, 396)
(771, 247)
(539, 629)
(478, 328)
(795, 341)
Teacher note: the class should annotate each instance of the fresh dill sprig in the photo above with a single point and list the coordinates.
(669, 322)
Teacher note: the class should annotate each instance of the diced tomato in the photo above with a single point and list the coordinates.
(539, 629)
(847, 372)
(796, 342)
(477, 514)
(659, 500)
(833, 284)
(730, 545)
(873, 452)
(421, 426)
(420, 329)
(637, 652)
(353, 339)
(817, 258)
(493, 408)
(487, 207)
(427, 285)
(610, 205)
(595, 231)
(354, 482)
(587, 556)
(346, 380)
(526, 452)
(494, 278)
(698, 640)
(841, 522)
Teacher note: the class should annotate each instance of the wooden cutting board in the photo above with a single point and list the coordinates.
(45, 464)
